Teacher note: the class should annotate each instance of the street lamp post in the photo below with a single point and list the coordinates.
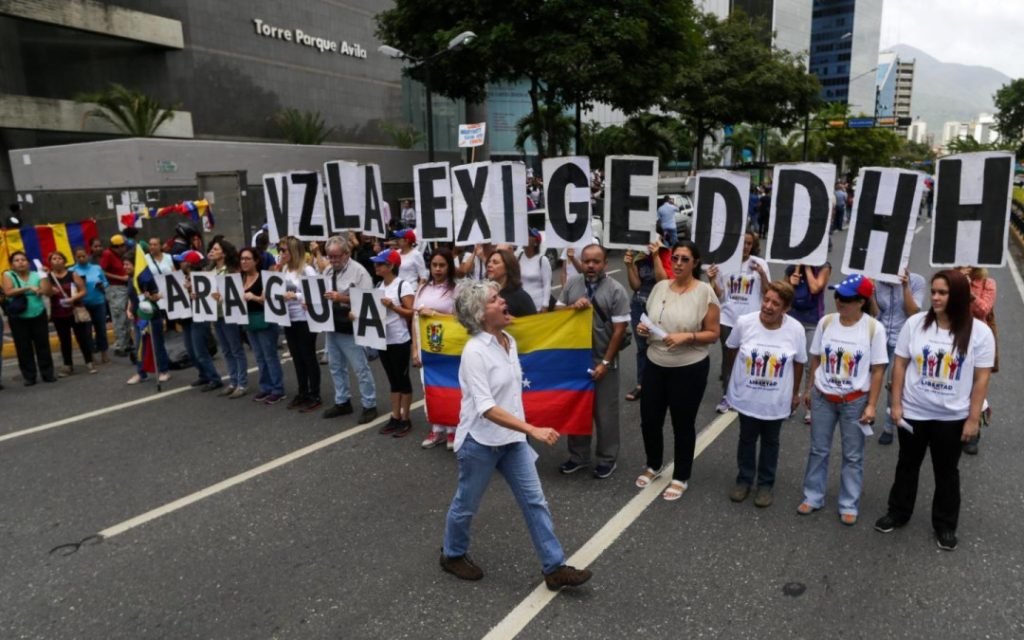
(463, 38)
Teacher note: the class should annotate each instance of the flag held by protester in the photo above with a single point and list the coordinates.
(554, 351)
(40, 241)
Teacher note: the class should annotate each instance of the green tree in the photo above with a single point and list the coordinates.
(302, 127)
(132, 112)
(620, 52)
(736, 77)
(550, 129)
(1009, 101)
(861, 147)
(911, 154)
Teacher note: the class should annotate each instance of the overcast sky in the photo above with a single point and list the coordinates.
(983, 32)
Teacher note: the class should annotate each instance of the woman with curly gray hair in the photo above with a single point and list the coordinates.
(492, 435)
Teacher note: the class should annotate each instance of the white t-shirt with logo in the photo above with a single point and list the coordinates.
(741, 290)
(846, 354)
(761, 384)
(938, 381)
(396, 328)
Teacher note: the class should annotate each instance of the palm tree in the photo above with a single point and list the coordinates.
(647, 134)
(404, 136)
(130, 111)
(551, 130)
(302, 127)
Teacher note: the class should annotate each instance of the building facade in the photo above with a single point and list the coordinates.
(227, 67)
(844, 51)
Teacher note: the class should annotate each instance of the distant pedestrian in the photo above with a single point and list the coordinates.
(66, 311)
(112, 262)
(436, 297)
(95, 300)
(667, 219)
(263, 335)
(398, 296)
(301, 341)
(24, 290)
(225, 261)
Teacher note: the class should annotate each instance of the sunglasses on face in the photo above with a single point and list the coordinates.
(681, 259)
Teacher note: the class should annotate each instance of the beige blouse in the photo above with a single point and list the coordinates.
(676, 313)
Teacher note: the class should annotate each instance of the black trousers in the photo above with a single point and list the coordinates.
(302, 345)
(395, 360)
(678, 390)
(943, 438)
(32, 342)
(83, 335)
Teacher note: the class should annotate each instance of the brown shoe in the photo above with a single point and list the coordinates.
(461, 567)
(763, 497)
(740, 492)
(566, 576)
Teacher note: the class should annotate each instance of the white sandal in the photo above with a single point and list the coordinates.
(647, 477)
(674, 491)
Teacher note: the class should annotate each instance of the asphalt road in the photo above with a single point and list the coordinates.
(343, 541)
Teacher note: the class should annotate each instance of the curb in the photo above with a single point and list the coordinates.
(9, 352)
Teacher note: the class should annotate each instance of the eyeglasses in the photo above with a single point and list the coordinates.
(682, 259)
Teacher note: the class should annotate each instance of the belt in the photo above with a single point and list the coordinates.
(850, 397)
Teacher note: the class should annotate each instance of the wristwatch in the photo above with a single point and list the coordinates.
(606, 363)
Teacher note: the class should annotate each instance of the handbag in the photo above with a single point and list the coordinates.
(81, 314)
(14, 306)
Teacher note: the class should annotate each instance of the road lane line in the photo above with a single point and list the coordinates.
(117, 407)
(1016, 276)
(541, 596)
(214, 489)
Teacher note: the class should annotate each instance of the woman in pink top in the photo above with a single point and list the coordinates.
(983, 307)
(436, 296)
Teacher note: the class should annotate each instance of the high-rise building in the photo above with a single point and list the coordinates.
(894, 84)
(918, 131)
(950, 132)
(790, 20)
(904, 90)
(844, 51)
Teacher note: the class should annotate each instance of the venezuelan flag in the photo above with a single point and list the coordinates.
(38, 242)
(142, 275)
(554, 351)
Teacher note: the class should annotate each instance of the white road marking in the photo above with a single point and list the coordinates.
(214, 489)
(1016, 276)
(533, 604)
(105, 410)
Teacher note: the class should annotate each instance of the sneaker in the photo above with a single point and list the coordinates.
(297, 401)
(261, 396)
(807, 418)
(722, 406)
(450, 444)
(740, 492)
(433, 439)
(227, 391)
(338, 410)
(198, 383)
(369, 414)
(238, 393)
(64, 372)
(566, 576)
(311, 405)
(888, 524)
(274, 398)
(404, 427)
(849, 519)
(571, 466)
(461, 567)
(136, 379)
(946, 540)
(392, 425)
(763, 497)
(212, 386)
(603, 471)
(885, 437)
(163, 377)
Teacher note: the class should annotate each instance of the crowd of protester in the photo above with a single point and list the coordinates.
(780, 351)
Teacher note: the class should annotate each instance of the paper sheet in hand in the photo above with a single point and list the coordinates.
(655, 330)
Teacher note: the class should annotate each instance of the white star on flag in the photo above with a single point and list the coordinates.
(526, 383)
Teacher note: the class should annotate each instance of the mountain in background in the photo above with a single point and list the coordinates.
(946, 91)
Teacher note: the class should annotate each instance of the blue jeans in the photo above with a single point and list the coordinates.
(98, 315)
(637, 307)
(342, 350)
(751, 429)
(824, 416)
(230, 338)
(517, 462)
(163, 362)
(195, 344)
(264, 347)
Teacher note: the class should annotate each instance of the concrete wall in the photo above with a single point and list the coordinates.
(98, 17)
(47, 114)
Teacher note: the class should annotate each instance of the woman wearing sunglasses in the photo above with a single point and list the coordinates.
(848, 360)
(684, 313)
